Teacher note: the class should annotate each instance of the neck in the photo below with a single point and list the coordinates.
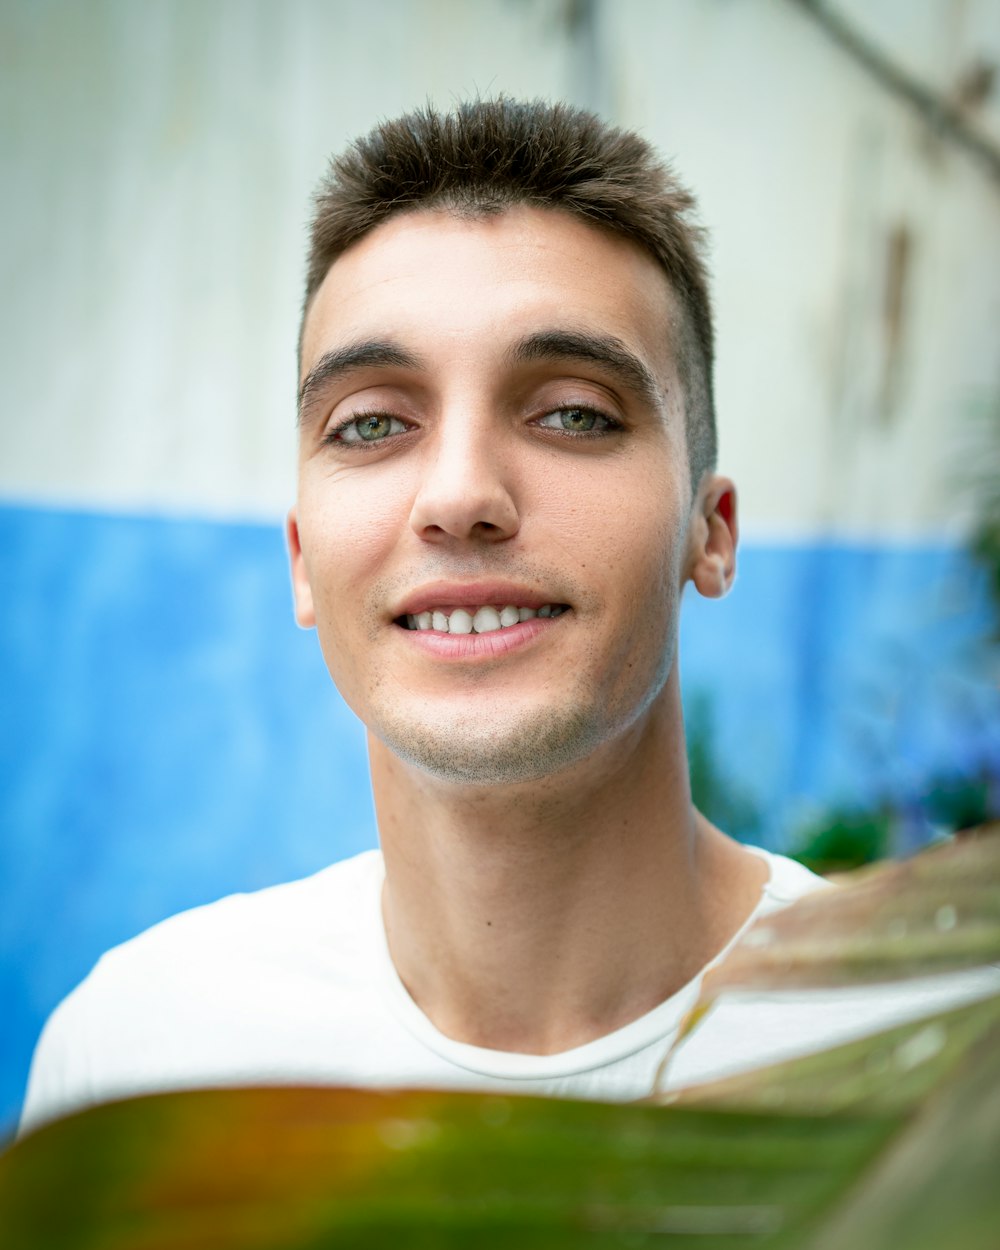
(537, 917)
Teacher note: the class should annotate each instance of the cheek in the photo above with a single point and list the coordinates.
(640, 538)
(352, 551)
(341, 548)
(347, 528)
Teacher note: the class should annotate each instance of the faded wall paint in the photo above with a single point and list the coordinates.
(159, 166)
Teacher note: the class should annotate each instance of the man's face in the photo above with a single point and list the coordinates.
(492, 419)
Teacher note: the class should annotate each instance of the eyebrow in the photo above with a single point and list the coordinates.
(340, 361)
(555, 345)
(606, 351)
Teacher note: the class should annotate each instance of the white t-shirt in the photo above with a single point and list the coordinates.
(294, 985)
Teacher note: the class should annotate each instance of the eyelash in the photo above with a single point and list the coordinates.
(333, 438)
(610, 424)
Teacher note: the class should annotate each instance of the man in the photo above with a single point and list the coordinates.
(506, 479)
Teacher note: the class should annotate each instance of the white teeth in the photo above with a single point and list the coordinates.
(486, 621)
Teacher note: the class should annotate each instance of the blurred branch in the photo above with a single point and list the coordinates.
(941, 115)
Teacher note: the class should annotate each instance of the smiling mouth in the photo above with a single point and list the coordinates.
(487, 619)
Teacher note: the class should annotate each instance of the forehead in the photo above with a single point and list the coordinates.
(432, 278)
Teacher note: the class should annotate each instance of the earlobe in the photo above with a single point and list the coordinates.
(305, 614)
(714, 534)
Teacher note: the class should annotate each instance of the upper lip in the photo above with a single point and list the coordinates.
(471, 594)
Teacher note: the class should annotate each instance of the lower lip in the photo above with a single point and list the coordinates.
(490, 646)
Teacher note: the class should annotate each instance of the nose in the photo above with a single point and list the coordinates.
(464, 490)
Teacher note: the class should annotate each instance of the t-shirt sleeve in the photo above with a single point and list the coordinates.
(60, 1080)
(789, 882)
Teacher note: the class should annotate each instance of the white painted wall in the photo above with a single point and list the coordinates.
(160, 155)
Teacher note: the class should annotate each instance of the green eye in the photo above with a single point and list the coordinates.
(372, 428)
(578, 421)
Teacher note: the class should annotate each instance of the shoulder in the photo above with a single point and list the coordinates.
(213, 971)
(326, 905)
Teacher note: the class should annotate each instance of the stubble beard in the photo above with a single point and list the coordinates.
(497, 746)
(494, 754)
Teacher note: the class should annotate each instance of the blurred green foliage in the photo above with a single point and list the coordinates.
(983, 471)
(844, 839)
(959, 802)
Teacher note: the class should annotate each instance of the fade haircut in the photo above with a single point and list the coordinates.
(489, 155)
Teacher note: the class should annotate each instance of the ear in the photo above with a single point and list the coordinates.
(713, 535)
(305, 613)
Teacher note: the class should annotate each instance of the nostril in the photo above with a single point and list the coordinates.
(472, 516)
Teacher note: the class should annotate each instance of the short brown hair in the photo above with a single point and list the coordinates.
(490, 154)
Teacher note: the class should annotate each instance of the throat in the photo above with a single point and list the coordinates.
(532, 969)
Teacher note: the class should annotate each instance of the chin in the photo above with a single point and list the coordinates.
(488, 753)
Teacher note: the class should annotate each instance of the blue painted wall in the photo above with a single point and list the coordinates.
(167, 735)
(847, 676)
